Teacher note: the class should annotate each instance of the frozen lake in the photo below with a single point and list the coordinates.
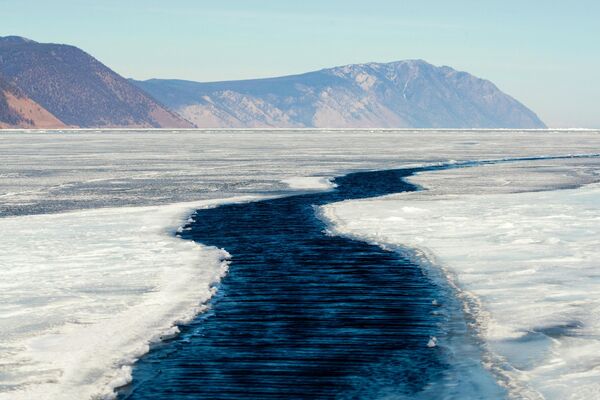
(100, 248)
(45, 173)
(303, 314)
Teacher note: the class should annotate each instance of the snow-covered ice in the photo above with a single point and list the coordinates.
(526, 264)
(52, 172)
(84, 293)
(87, 280)
(309, 182)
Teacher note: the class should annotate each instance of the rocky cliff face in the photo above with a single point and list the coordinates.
(75, 88)
(404, 94)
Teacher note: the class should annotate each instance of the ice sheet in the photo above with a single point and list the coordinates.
(525, 264)
(52, 172)
(72, 283)
(83, 294)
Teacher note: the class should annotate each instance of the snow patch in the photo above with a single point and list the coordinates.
(309, 183)
(83, 295)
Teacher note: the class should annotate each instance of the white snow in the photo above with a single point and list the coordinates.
(527, 266)
(84, 293)
(309, 183)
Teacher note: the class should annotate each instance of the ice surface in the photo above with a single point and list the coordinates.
(51, 172)
(83, 294)
(525, 264)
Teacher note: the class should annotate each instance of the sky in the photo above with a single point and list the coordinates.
(545, 53)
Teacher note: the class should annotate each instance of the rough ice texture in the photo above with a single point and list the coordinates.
(49, 172)
(84, 293)
(525, 265)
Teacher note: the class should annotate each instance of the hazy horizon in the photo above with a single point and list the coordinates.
(540, 54)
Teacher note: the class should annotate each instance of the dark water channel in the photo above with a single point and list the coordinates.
(301, 314)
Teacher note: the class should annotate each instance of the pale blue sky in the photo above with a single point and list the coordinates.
(544, 53)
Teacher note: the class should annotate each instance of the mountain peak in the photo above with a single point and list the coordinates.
(15, 40)
(417, 63)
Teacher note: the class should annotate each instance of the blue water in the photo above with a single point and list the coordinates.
(301, 314)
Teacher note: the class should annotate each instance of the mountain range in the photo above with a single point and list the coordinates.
(56, 86)
(404, 94)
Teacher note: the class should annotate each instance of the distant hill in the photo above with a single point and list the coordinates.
(19, 111)
(46, 85)
(56, 85)
(404, 94)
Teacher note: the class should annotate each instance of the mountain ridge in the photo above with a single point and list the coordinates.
(399, 94)
(19, 111)
(48, 85)
(77, 89)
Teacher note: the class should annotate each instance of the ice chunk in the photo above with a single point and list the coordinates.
(309, 183)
